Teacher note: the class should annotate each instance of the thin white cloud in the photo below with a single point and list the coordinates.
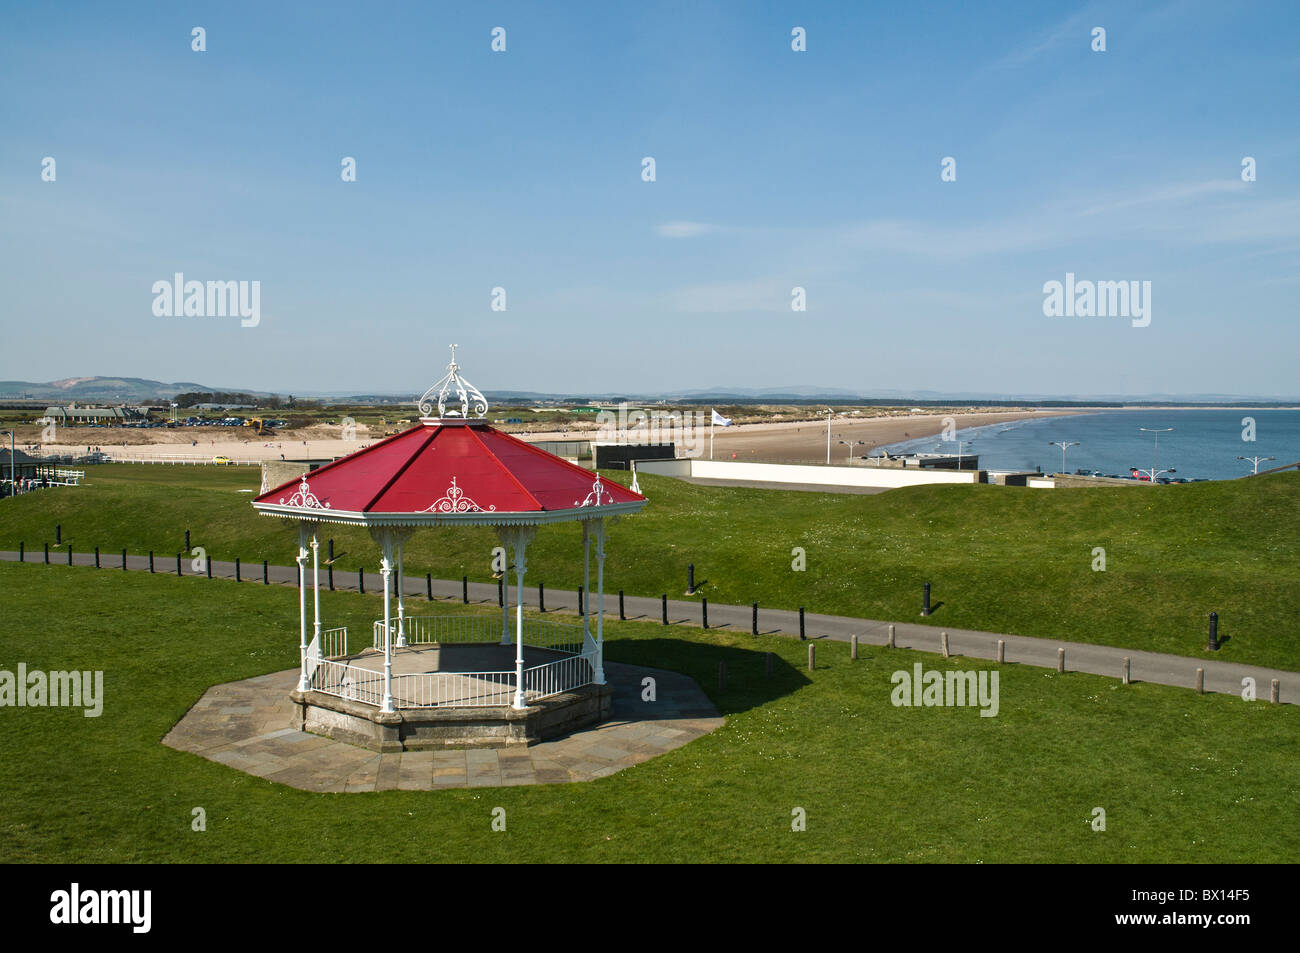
(685, 229)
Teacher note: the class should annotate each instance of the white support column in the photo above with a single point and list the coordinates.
(504, 536)
(315, 584)
(386, 570)
(586, 579)
(600, 602)
(401, 598)
(304, 683)
(522, 536)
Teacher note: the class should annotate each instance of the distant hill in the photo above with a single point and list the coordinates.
(105, 389)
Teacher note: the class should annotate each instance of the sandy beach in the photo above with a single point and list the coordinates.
(792, 442)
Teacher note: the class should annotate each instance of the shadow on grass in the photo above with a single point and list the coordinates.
(748, 684)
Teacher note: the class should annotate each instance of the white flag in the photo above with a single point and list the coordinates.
(721, 420)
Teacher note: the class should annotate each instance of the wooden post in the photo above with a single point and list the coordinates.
(1275, 692)
(1060, 660)
(891, 643)
(1002, 650)
(943, 643)
(853, 647)
(1127, 677)
(1200, 681)
(812, 656)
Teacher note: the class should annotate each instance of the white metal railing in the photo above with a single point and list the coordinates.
(451, 689)
(334, 642)
(553, 678)
(453, 629)
(349, 681)
(454, 690)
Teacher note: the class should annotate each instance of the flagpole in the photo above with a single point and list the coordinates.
(711, 413)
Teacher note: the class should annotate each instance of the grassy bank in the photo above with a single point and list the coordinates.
(1000, 559)
(1182, 777)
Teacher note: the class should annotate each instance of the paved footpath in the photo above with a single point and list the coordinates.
(1162, 669)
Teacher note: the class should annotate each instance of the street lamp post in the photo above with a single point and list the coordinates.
(1257, 461)
(829, 414)
(1063, 445)
(1156, 459)
(851, 443)
(1153, 473)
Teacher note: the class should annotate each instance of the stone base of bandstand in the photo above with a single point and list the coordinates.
(431, 729)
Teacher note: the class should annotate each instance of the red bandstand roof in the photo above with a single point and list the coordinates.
(449, 471)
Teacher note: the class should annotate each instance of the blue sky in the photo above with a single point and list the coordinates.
(775, 169)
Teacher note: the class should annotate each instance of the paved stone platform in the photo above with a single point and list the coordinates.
(249, 726)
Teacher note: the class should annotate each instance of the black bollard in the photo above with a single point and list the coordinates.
(801, 629)
(207, 564)
(464, 589)
(330, 570)
(124, 560)
(428, 586)
(704, 611)
(753, 628)
(665, 607)
(236, 569)
(580, 612)
(69, 554)
(1214, 631)
(925, 599)
(331, 555)
(20, 552)
(151, 560)
(266, 575)
(96, 557)
(622, 616)
(58, 535)
(361, 580)
(501, 591)
(541, 598)
(47, 554)
(690, 577)
(187, 541)
(178, 564)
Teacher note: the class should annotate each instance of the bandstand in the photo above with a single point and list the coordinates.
(429, 681)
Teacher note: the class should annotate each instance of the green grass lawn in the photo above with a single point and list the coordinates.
(1000, 559)
(1182, 777)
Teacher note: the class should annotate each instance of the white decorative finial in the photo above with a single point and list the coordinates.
(469, 396)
